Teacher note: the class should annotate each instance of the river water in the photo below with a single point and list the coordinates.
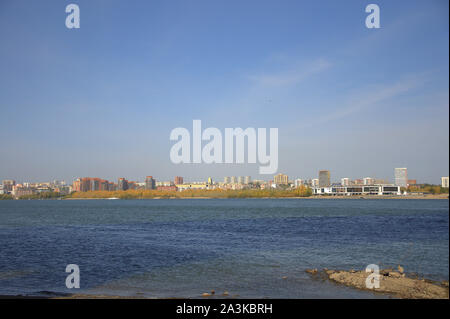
(251, 248)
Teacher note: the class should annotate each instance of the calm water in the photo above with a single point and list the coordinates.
(182, 248)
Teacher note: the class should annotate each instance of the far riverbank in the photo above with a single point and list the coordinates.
(441, 196)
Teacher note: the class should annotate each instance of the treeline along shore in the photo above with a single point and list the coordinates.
(157, 194)
(198, 193)
(300, 192)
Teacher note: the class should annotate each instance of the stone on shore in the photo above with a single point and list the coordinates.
(393, 283)
(312, 271)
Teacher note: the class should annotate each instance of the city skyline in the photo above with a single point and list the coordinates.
(322, 185)
(141, 178)
(323, 179)
(104, 98)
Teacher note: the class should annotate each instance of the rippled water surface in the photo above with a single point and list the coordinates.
(248, 247)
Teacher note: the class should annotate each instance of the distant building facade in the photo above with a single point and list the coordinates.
(178, 180)
(345, 181)
(401, 176)
(150, 183)
(280, 179)
(167, 188)
(183, 187)
(20, 190)
(86, 184)
(8, 185)
(444, 182)
(298, 182)
(122, 184)
(324, 178)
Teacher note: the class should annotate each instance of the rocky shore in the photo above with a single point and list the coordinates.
(391, 282)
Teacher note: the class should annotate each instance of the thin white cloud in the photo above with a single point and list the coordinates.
(291, 77)
(371, 97)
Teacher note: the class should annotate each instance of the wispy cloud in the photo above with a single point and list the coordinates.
(372, 96)
(258, 89)
(292, 76)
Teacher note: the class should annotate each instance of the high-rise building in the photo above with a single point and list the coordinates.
(324, 178)
(247, 180)
(233, 179)
(76, 185)
(345, 181)
(86, 184)
(178, 180)
(94, 184)
(280, 179)
(401, 177)
(210, 181)
(226, 180)
(150, 182)
(122, 184)
(368, 181)
(240, 180)
(444, 182)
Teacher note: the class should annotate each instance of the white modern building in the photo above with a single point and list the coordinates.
(358, 190)
(345, 181)
(444, 181)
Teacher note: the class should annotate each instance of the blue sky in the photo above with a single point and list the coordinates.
(101, 100)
